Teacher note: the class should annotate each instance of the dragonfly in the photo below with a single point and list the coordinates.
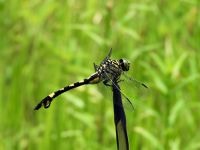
(108, 72)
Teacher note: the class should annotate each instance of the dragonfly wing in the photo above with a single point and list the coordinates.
(108, 56)
(126, 101)
(127, 104)
(137, 83)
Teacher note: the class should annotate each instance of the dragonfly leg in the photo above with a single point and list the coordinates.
(120, 81)
(96, 67)
(105, 82)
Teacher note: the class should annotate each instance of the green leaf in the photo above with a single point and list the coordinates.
(178, 65)
(175, 111)
(150, 137)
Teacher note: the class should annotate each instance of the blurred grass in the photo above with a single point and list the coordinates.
(45, 45)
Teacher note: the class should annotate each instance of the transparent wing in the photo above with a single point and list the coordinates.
(137, 83)
(132, 81)
(126, 101)
(108, 56)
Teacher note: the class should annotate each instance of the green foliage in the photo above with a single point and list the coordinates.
(46, 45)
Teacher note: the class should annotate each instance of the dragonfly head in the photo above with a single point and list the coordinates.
(125, 64)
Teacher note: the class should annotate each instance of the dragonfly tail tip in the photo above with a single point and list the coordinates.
(37, 107)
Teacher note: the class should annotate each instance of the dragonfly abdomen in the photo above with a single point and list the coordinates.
(94, 78)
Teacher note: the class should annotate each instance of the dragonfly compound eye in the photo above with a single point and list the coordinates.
(125, 64)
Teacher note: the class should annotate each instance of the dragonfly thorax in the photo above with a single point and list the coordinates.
(112, 69)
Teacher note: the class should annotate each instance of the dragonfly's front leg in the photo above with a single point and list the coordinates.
(96, 67)
(106, 83)
(118, 81)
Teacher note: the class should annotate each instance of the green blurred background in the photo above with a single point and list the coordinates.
(45, 45)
